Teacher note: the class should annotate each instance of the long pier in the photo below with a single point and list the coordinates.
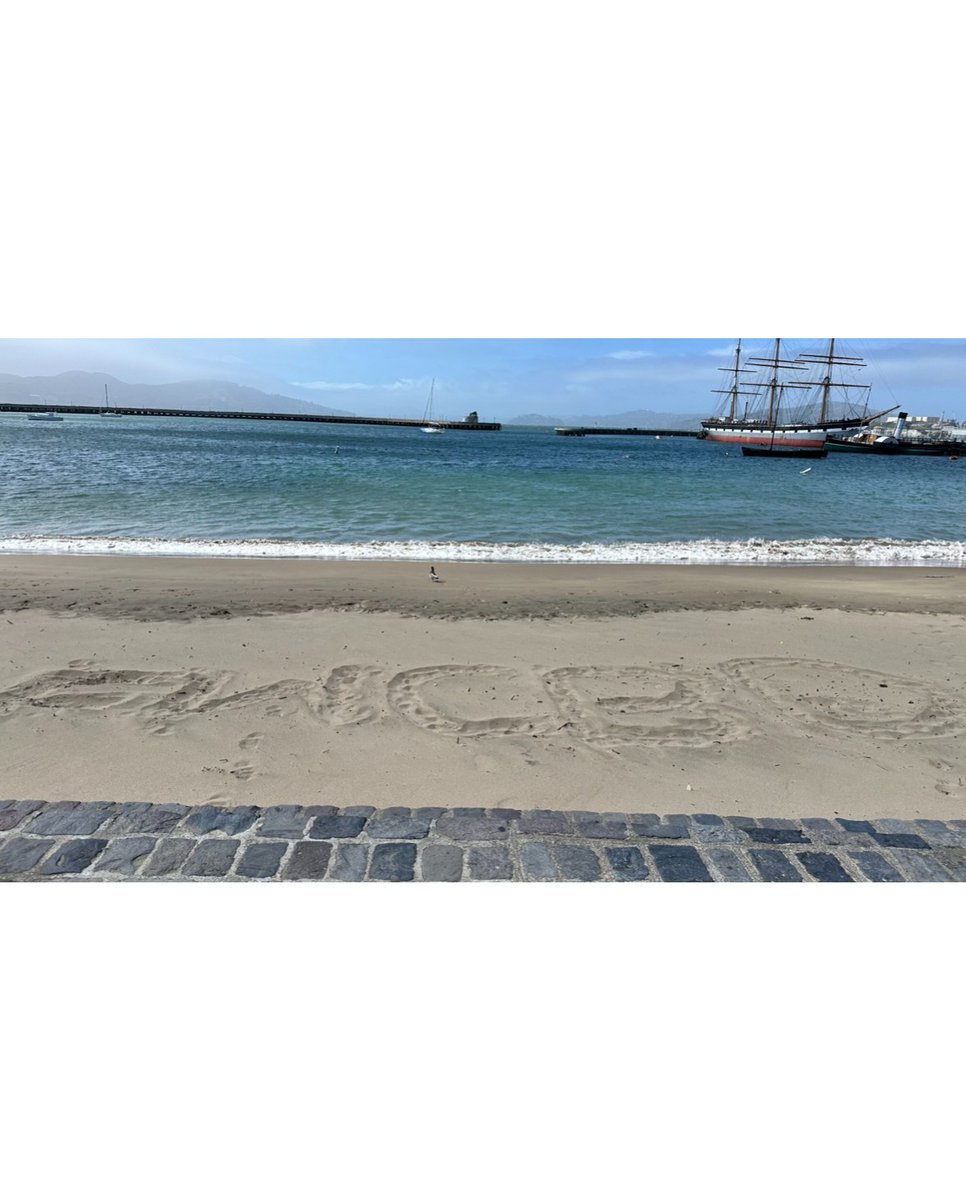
(587, 430)
(91, 409)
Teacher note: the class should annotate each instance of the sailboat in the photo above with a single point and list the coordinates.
(108, 411)
(782, 409)
(429, 426)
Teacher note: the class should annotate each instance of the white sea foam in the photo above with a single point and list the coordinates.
(871, 552)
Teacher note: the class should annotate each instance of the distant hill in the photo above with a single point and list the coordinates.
(87, 387)
(641, 418)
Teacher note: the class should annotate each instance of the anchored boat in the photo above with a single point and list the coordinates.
(790, 402)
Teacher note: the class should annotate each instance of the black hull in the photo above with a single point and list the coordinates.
(782, 452)
(891, 449)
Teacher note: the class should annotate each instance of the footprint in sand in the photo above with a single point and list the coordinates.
(242, 770)
(849, 700)
(251, 741)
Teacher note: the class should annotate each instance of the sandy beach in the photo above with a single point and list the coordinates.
(762, 691)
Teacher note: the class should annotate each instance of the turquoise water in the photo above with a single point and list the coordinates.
(219, 487)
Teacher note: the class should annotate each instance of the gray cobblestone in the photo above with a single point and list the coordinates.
(144, 818)
(393, 862)
(723, 834)
(441, 864)
(336, 826)
(145, 841)
(21, 854)
(125, 855)
(919, 867)
(874, 867)
(169, 856)
(471, 828)
(490, 862)
(937, 833)
(542, 821)
(211, 857)
(398, 828)
(824, 867)
(672, 830)
(577, 862)
(680, 864)
(260, 860)
(16, 812)
(78, 819)
(349, 862)
(73, 856)
(954, 860)
(222, 820)
(728, 865)
(310, 860)
(287, 821)
(627, 863)
(600, 825)
(536, 863)
(774, 867)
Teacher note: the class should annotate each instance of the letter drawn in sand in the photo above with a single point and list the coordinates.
(472, 701)
(848, 700)
(622, 706)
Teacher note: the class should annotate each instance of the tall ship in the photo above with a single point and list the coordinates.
(788, 403)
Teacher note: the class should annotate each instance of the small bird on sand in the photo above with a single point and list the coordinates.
(433, 576)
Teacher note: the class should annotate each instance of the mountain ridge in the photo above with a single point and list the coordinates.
(87, 388)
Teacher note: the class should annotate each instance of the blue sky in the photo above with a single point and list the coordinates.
(500, 377)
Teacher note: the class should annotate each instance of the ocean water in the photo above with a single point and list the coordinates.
(141, 485)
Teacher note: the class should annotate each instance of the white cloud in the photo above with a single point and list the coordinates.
(400, 385)
(628, 354)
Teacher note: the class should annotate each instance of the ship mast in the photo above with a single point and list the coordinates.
(775, 386)
(734, 391)
(828, 359)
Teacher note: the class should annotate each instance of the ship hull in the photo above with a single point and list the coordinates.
(922, 449)
(802, 439)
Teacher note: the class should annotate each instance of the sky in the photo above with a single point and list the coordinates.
(501, 378)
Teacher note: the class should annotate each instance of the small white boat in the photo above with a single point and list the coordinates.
(429, 426)
(108, 411)
(44, 416)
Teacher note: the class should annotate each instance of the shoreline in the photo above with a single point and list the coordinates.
(184, 589)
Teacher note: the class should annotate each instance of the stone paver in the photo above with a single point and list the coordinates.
(490, 862)
(393, 862)
(20, 854)
(211, 857)
(73, 856)
(209, 819)
(441, 864)
(125, 855)
(728, 865)
(774, 866)
(261, 859)
(310, 860)
(577, 862)
(824, 867)
(114, 842)
(169, 857)
(874, 867)
(680, 864)
(536, 863)
(349, 862)
(627, 863)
